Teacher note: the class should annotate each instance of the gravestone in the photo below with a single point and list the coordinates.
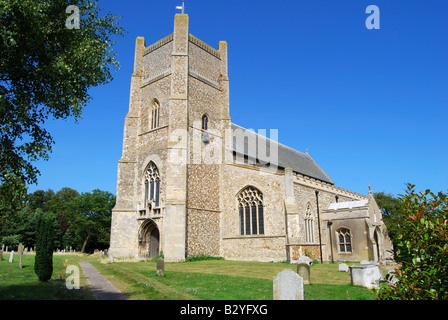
(288, 285)
(160, 267)
(20, 255)
(305, 259)
(11, 257)
(111, 258)
(1, 254)
(101, 253)
(303, 270)
(343, 267)
(366, 275)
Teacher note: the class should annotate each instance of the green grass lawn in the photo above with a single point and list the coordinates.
(208, 280)
(23, 284)
(224, 280)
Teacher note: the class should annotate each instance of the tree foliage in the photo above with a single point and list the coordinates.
(82, 221)
(43, 263)
(46, 71)
(422, 248)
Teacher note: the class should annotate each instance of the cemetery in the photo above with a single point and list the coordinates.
(207, 279)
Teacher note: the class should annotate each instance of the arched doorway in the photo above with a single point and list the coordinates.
(148, 239)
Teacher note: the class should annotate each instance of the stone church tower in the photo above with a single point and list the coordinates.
(191, 182)
(179, 88)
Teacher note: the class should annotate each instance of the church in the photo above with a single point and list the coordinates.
(190, 182)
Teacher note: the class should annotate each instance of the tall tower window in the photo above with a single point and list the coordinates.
(152, 186)
(155, 114)
(204, 122)
(250, 211)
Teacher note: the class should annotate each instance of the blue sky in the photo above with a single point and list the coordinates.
(369, 105)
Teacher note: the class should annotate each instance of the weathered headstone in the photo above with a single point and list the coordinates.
(11, 257)
(101, 253)
(303, 270)
(111, 258)
(288, 285)
(366, 275)
(1, 254)
(160, 267)
(305, 259)
(343, 267)
(20, 255)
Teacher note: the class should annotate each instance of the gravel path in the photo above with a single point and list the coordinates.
(101, 287)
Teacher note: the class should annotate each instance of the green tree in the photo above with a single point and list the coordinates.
(43, 264)
(392, 208)
(422, 248)
(12, 200)
(92, 218)
(46, 70)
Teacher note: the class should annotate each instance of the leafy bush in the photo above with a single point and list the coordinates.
(422, 244)
(43, 264)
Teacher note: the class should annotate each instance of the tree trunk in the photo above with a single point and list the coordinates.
(85, 242)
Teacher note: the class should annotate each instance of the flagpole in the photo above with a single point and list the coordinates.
(182, 8)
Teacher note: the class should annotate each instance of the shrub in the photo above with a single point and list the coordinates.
(422, 245)
(43, 265)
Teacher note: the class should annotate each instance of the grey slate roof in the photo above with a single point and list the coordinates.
(245, 142)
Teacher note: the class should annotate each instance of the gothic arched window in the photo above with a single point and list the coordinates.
(250, 210)
(152, 185)
(309, 225)
(204, 122)
(344, 240)
(155, 114)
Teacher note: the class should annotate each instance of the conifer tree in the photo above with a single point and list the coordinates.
(43, 264)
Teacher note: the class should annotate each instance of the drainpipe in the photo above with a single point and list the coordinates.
(318, 221)
(329, 223)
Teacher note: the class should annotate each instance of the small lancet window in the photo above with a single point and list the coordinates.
(204, 122)
(155, 115)
(309, 225)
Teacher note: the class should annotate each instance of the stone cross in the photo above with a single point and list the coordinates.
(160, 267)
(11, 257)
(303, 270)
(288, 285)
